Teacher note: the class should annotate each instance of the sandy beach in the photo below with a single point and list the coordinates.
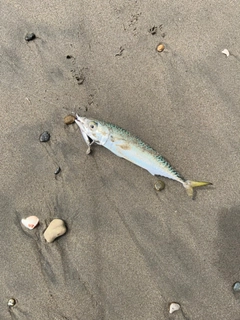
(129, 251)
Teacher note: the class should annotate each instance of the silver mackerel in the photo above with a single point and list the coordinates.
(122, 143)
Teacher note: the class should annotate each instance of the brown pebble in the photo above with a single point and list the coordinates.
(55, 229)
(159, 185)
(160, 47)
(69, 119)
(12, 302)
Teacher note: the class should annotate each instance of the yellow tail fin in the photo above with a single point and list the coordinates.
(189, 185)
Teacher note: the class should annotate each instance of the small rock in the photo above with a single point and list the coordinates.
(69, 119)
(160, 47)
(30, 222)
(44, 137)
(55, 229)
(11, 302)
(236, 286)
(174, 307)
(30, 36)
(58, 170)
(159, 185)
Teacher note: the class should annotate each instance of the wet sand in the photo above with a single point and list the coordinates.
(129, 251)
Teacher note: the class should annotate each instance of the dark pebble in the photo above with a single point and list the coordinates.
(30, 36)
(44, 137)
(236, 287)
(69, 57)
(57, 171)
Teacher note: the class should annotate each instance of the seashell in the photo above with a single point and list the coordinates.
(226, 52)
(55, 229)
(12, 302)
(30, 222)
(160, 47)
(159, 185)
(174, 307)
(44, 137)
(69, 119)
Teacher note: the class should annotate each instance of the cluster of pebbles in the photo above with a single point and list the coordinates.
(57, 227)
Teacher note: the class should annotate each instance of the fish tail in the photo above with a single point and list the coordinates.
(189, 185)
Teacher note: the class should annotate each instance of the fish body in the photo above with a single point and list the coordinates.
(122, 143)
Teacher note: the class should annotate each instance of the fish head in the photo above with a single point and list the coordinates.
(93, 129)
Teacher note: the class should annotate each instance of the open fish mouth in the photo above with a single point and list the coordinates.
(90, 139)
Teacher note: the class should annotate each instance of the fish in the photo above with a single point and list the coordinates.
(125, 145)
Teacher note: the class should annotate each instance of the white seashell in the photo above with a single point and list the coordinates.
(226, 52)
(174, 307)
(30, 222)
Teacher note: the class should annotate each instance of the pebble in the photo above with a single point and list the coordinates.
(11, 302)
(30, 222)
(30, 36)
(44, 137)
(160, 47)
(174, 307)
(236, 286)
(58, 170)
(69, 119)
(159, 185)
(55, 229)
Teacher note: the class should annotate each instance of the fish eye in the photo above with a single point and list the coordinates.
(92, 125)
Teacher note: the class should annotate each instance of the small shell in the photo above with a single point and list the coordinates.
(174, 307)
(11, 302)
(30, 222)
(160, 47)
(44, 137)
(159, 185)
(69, 119)
(226, 52)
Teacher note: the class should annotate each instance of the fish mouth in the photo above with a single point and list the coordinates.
(80, 122)
(90, 139)
(79, 119)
